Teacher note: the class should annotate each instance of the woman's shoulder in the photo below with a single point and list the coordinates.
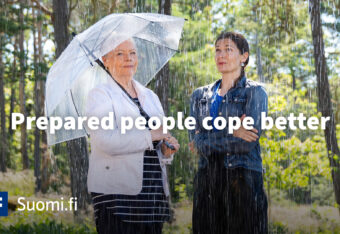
(147, 91)
(255, 87)
(198, 92)
(140, 87)
(98, 90)
(104, 89)
(252, 83)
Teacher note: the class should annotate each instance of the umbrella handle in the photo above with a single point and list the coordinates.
(170, 146)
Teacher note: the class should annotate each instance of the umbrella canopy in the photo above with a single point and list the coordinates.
(75, 72)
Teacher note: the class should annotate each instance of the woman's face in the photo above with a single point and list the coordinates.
(123, 60)
(228, 58)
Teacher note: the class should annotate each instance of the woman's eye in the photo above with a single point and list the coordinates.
(119, 53)
(217, 50)
(133, 53)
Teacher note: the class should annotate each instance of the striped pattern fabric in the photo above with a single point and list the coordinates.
(150, 205)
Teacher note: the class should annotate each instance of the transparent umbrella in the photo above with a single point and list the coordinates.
(75, 72)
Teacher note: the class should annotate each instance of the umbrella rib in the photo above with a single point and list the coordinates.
(81, 46)
(158, 70)
(111, 32)
(97, 39)
(137, 16)
(90, 52)
(87, 49)
(156, 43)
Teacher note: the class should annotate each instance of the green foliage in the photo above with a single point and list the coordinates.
(180, 190)
(45, 222)
(46, 226)
(277, 227)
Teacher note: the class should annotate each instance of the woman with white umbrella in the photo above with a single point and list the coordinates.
(127, 175)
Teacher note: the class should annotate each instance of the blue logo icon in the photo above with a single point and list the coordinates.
(3, 203)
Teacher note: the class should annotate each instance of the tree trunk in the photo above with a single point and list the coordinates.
(45, 164)
(164, 7)
(269, 200)
(14, 74)
(140, 4)
(37, 106)
(22, 96)
(42, 159)
(45, 158)
(162, 87)
(79, 164)
(3, 137)
(293, 79)
(95, 8)
(258, 60)
(162, 78)
(77, 149)
(257, 46)
(11, 109)
(162, 83)
(60, 24)
(113, 7)
(324, 95)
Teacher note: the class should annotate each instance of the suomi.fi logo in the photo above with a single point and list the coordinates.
(3, 203)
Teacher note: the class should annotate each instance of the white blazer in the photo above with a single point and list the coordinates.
(116, 160)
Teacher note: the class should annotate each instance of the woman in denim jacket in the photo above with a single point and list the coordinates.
(229, 194)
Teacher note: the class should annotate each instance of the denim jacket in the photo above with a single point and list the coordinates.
(246, 97)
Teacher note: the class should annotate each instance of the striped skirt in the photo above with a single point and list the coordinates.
(149, 206)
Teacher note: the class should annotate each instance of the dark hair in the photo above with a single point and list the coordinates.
(240, 42)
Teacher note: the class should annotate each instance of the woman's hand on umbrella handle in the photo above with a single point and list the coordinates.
(247, 135)
(166, 151)
(158, 135)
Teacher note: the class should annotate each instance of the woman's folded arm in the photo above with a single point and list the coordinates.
(221, 142)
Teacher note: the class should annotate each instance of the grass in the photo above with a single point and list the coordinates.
(283, 219)
(306, 219)
(285, 216)
(17, 183)
(182, 220)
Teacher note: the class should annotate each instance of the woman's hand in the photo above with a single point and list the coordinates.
(167, 151)
(158, 135)
(247, 135)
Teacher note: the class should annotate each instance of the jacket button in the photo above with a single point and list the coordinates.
(220, 113)
(230, 164)
(107, 167)
(223, 100)
(228, 154)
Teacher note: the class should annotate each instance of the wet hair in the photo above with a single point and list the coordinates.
(239, 40)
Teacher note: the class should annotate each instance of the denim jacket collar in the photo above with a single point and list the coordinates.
(240, 84)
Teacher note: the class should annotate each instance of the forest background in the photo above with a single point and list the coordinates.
(294, 54)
